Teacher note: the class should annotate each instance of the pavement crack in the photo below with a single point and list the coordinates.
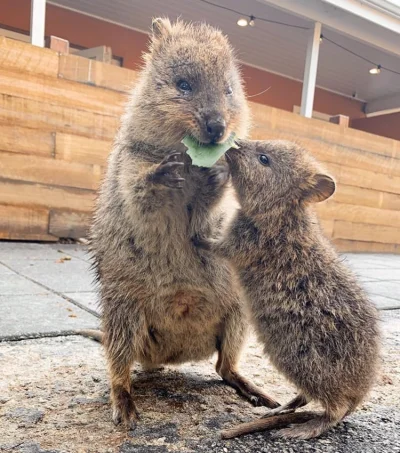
(62, 295)
(35, 336)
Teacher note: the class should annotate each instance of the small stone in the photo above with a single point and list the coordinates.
(26, 416)
(386, 380)
(260, 410)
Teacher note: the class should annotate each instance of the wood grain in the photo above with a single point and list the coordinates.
(271, 120)
(49, 171)
(18, 222)
(365, 232)
(73, 148)
(61, 92)
(363, 178)
(93, 72)
(18, 193)
(358, 214)
(16, 139)
(42, 116)
(58, 118)
(24, 58)
(69, 224)
(343, 245)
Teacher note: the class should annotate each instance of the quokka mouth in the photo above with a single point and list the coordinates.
(234, 151)
(207, 144)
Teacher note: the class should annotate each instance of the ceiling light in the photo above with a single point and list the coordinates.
(375, 70)
(242, 22)
(321, 38)
(252, 21)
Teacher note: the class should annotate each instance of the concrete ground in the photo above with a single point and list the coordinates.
(54, 387)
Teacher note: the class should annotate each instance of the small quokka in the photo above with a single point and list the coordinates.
(317, 326)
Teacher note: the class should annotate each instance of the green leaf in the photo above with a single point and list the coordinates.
(207, 155)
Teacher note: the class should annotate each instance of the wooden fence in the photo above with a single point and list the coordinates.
(59, 114)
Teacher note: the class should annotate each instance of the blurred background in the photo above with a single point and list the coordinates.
(324, 73)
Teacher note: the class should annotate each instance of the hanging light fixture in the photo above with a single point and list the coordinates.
(242, 22)
(321, 37)
(375, 70)
(252, 21)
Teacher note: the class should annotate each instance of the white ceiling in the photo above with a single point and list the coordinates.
(273, 47)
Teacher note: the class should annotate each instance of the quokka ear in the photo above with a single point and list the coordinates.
(161, 27)
(323, 188)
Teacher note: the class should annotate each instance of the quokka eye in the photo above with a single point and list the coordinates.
(184, 86)
(263, 159)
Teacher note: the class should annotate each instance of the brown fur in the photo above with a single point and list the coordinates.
(263, 424)
(316, 324)
(96, 335)
(164, 301)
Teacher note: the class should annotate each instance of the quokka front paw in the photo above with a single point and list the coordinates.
(217, 176)
(168, 172)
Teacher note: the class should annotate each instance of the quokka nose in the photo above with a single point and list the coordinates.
(215, 128)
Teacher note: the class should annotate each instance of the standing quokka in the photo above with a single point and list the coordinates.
(163, 300)
(316, 324)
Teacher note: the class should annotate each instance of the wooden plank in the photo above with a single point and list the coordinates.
(25, 58)
(69, 224)
(17, 111)
(96, 73)
(269, 120)
(39, 195)
(58, 44)
(343, 245)
(326, 225)
(113, 77)
(49, 171)
(362, 160)
(334, 153)
(77, 69)
(99, 53)
(390, 201)
(73, 148)
(358, 214)
(19, 222)
(366, 197)
(340, 120)
(61, 92)
(365, 232)
(16, 139)
(363, 178)
(5, 235)
(358, 196)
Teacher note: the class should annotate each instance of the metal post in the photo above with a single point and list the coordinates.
(310, 72)
(38, 16)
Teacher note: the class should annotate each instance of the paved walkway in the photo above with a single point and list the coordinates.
(55, 279)
(54, 388)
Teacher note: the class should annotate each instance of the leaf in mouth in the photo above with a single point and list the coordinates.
(207, 155)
